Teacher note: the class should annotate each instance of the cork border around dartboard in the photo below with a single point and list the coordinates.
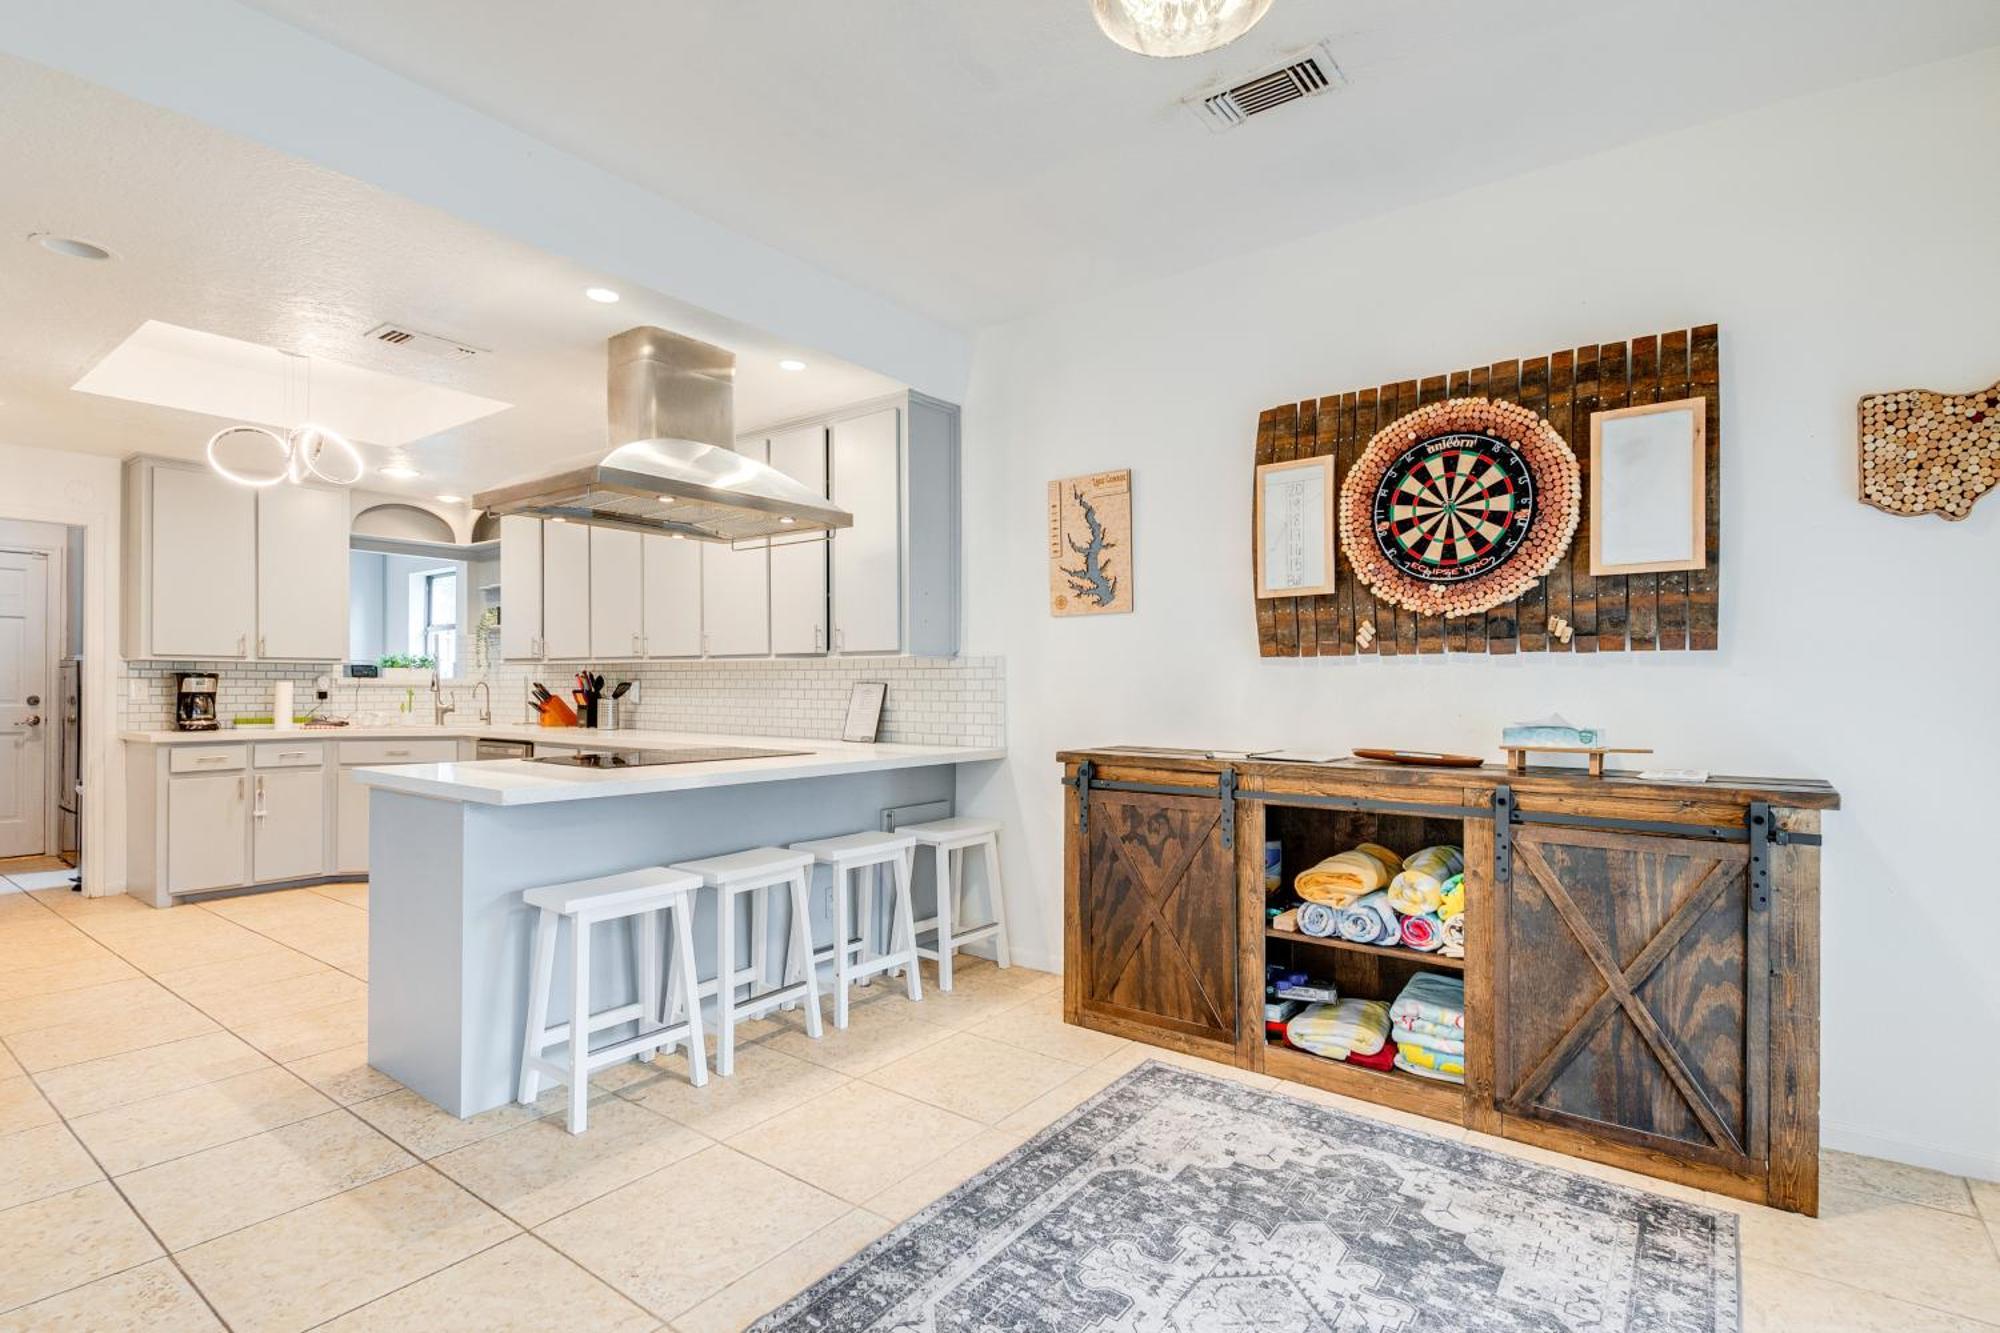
(1551, 529)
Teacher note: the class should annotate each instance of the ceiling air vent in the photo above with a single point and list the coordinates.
(1303, 75)
(398, 335)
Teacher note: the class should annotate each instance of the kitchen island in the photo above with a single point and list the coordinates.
(453, 845)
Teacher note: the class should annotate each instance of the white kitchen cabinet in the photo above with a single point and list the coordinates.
(565, 591)
(206, 837)
(798, 567)
(288, 824)
(617, 593)
(671, 620)
(520, 588)
(200, 574)
(736, 590)
(350, 828)
(867, 557)
(302, 569)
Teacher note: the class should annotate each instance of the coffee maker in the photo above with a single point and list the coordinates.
(194, 701)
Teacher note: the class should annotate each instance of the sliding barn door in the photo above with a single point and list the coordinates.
(1157, 912)
(1633, 1001)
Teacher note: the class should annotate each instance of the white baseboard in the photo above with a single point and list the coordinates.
(1957, 1162)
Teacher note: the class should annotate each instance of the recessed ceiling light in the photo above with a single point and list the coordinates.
(601, 295)
(398, 471)
(71, 246)
(786, 518)
(789, 364)
(451, 499)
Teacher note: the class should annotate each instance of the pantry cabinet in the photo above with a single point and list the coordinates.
(215, 571)
(1641, 961)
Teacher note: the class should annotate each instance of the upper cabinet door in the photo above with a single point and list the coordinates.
(520, 587)
(302, 573)
(736, 591)
(798, 568)
(672, 623)
(867, 558)
(204, 566)
(617, 615)
(566, 591)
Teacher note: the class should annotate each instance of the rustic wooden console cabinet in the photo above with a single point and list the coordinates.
(1642, 960)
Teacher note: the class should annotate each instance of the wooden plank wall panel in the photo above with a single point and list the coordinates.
(1267, 609)
(1673, 586)
(1609, 614)
(1704, 371)
(1641, 590)
(1533, 615)
(1582, 591)
(1503, 381)
(1610, 588)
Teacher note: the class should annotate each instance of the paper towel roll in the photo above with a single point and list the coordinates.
(281, 705)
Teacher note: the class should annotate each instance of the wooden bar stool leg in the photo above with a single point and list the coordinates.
(690, 988)
(801, 883)
(995, 893)
(540, 980)
(725, 985)
(579, 1024)
(946, 863)
(905, 868)
(646, 965)
(843, 954)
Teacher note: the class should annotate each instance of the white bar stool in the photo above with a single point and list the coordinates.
(641, 894)
(754, 872)
(857, 862)
(951, 839)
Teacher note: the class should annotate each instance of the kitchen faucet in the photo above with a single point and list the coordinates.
(441, 709)
(485, 700)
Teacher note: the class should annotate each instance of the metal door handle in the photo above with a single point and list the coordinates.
(260, 646)
(819, 632)
(259, 811)
(242, 645)
(32, 720)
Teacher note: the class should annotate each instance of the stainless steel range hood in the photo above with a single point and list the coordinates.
(674, 468)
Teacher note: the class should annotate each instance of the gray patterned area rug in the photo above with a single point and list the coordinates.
(1177, 1201)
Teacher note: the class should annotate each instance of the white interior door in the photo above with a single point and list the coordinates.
(25, 706)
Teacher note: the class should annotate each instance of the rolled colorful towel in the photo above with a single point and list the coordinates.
(1442, 861)
(1345, 876)
(1452, 1045)
(1430, 996)
(1413, 892)
(1423, 932)
(1370, 921)
(1409, 1066)
(1453, 902)
(1453, 933)
(1317, 920)
(1340, 1029)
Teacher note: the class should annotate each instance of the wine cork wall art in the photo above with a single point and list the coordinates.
(1929, 453)
(1506, 587)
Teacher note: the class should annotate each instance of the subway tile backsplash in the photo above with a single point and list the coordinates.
(931, 700)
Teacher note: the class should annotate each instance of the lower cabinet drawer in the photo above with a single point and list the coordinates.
(207, 758)
(399, 752)
(303, 754)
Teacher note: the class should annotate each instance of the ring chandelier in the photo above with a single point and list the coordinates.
(306, 450)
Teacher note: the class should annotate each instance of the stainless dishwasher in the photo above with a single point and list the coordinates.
(487, 747)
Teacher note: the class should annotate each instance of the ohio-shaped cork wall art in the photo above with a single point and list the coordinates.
(1090, 544)
(1923, 452)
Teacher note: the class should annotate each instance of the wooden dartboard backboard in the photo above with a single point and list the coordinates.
(1612, 613)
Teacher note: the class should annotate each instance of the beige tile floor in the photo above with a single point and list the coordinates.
(190, 1137)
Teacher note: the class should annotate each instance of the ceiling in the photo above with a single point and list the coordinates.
(212, 232)
(977, 161)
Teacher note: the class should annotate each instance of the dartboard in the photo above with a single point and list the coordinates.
(1454, 506)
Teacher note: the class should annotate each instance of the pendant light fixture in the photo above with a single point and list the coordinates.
(1169, 28)
(306, 450)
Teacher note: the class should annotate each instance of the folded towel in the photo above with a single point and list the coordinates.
(1423, 1057)
(1453, 902)
(1454, 937)
(1430, 1041)
(1423, 933)
(1423, 1030)
(1413, 892)
(1430, 996)
(1383, 1059)
(1345, 876)
(1318, 920)
(1441, 1075)
(1370, 921)
(1440, 862)
(1340, 1029)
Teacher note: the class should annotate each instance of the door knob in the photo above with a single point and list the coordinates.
(32, 720)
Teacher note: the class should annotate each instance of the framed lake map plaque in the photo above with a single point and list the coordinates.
(1090, 544)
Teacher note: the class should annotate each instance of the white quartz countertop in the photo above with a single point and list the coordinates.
(519, 782)
(580, 737)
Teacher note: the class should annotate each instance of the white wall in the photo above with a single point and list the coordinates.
(1845, 243)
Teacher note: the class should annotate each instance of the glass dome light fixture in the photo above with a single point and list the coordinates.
(1173, 28)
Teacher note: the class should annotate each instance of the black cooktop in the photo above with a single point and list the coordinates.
(654, 758)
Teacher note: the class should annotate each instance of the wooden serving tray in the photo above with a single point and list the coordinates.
(1421, 758)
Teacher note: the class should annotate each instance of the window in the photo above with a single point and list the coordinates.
(441, 621)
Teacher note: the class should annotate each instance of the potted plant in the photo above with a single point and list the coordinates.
(404, 669)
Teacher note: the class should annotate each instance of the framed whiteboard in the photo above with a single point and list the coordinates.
(1294, 533)
(1649, 488)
